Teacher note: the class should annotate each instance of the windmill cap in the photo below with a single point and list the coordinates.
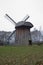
(23, 23)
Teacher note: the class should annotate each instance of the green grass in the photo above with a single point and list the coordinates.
(21, 55)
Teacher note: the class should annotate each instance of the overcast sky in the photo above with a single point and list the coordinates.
(17, 9)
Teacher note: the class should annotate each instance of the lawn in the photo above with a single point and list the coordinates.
(21, 55)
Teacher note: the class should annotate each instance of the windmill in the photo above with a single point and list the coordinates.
(19, 25)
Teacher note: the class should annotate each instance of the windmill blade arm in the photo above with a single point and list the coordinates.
(25, 18)
(10, 18)
(11, 35)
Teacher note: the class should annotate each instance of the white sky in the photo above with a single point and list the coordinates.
(17, 9)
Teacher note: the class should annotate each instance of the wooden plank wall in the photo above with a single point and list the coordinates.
(22, 36)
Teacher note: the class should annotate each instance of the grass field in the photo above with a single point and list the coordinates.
(21, 55)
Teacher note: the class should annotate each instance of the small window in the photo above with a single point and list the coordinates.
(30, 42)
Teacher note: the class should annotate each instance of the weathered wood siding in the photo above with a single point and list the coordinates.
(22, 36)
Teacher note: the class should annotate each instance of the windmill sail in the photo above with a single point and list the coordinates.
(25, 18)
(11, 34)
(10, 18)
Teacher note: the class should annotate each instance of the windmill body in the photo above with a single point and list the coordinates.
(23, 35)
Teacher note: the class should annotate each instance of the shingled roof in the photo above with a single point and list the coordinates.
(22, 23)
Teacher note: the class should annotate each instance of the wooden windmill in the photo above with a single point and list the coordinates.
(23, 35)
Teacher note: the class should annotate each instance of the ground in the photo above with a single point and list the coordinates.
(21, 55)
